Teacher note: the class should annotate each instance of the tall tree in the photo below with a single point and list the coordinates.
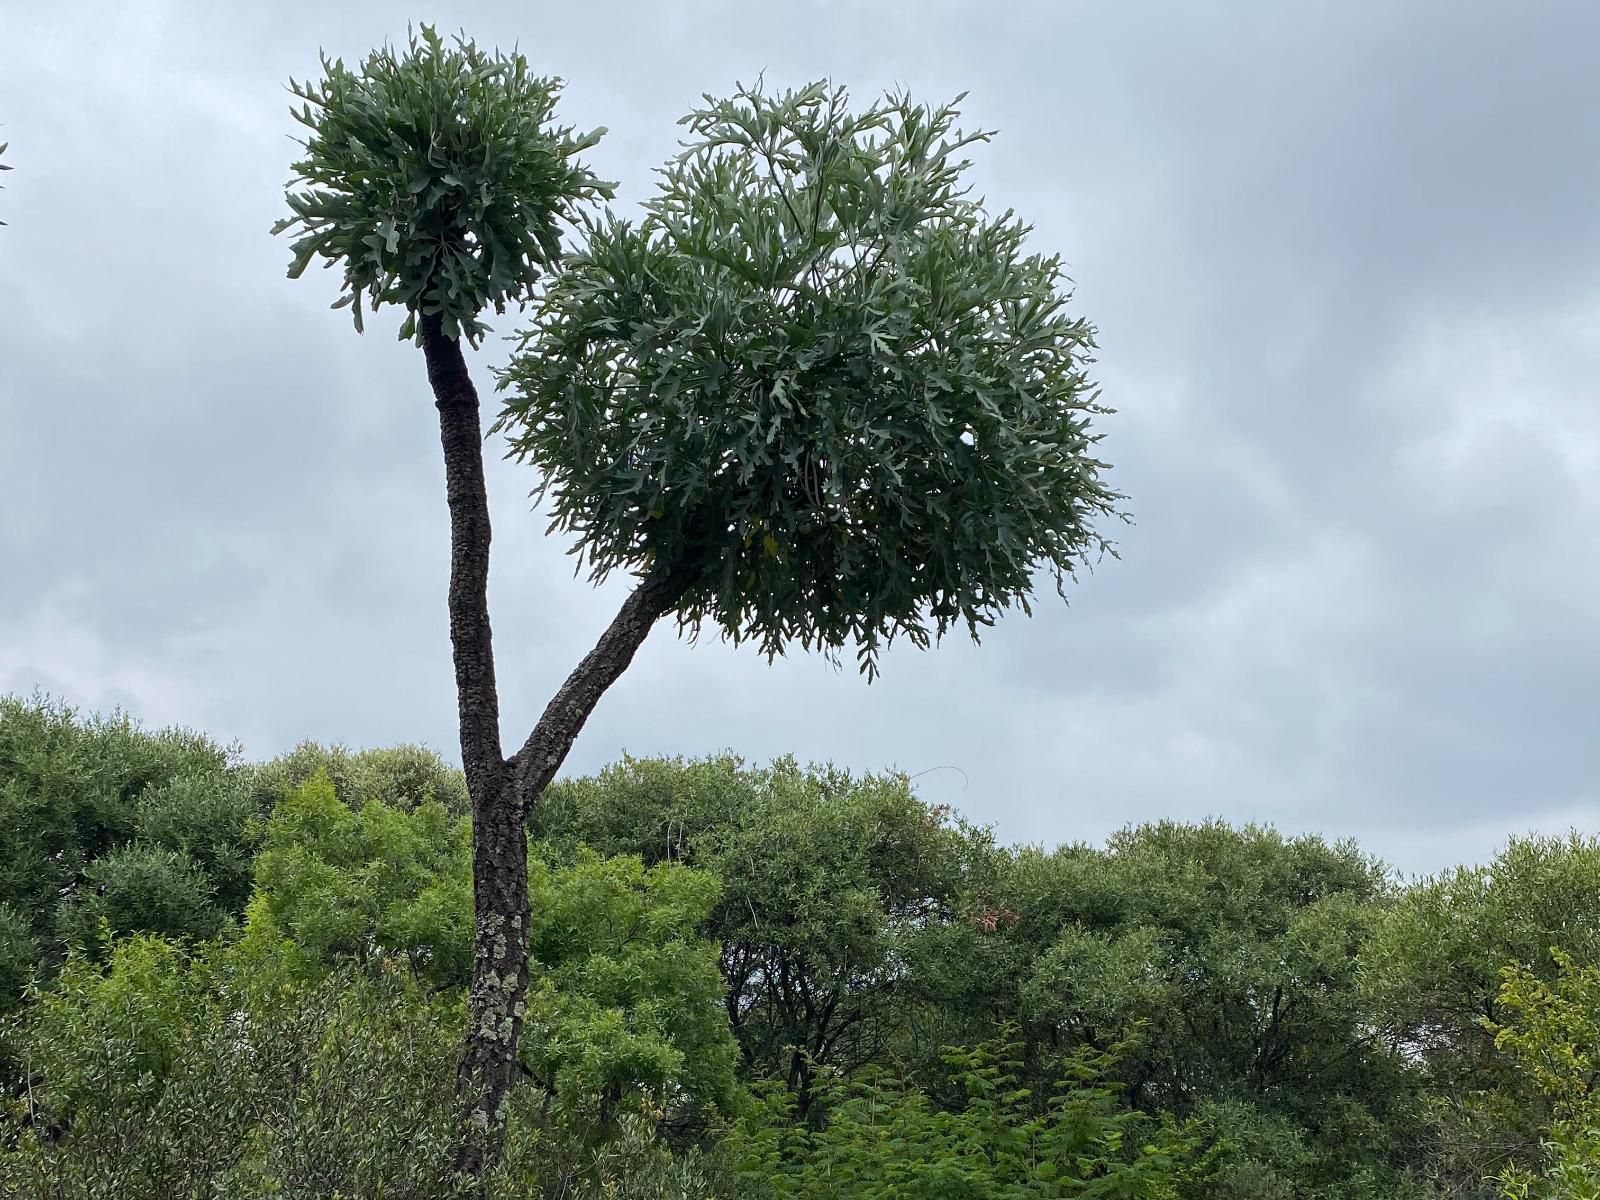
(437, 181)
(816, 394)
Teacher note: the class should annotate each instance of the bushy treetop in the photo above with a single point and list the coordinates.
(435, 179)
(823, 374)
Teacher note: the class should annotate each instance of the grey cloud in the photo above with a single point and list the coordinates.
(1343, 261)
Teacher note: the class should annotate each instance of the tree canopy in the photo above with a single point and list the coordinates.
(821, 371)
(435, 179)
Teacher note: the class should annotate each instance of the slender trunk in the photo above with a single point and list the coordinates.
(499, 845)
(502, 791)
(471, 641)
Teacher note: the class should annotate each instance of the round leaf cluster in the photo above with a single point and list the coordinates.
(820, 376)
(435, 180)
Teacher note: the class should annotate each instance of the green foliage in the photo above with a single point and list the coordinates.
(71, 791)
(1435, 962)
(1320, 1031)
(398, 776)
(635, 1163)
(822, 373)
(1241, 936)
(859, 926)
(434, 179)
(18, 953)
(625, 995)
(657, 808)
(213, 821)
(827, 881)
(173, 1075)
(1234, 951)
(1552, 1035)
(365, 884)
(141, 888)
(1262, 1152)
(187, 871)
(1433, 971)
(102, 1034)
(177, 1073)
(1552, 1032)
(884, 1140)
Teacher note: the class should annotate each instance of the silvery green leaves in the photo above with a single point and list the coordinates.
(4, 166)
(820, 367)
(435, 180)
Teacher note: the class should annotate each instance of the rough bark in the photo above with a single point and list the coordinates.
(471, 640)
(499, 844)
(502, 791)
(541, 756)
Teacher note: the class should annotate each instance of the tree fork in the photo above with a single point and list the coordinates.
(503, 792)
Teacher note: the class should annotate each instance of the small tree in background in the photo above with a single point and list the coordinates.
(4, 166)
(816, 394)
(1551, 1036)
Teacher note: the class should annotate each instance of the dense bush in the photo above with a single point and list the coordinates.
(397, 777)
(1432, 970)
(1551, 1034)
(829, 882)
(625, 994)
(176, 1074)
(860, 927)
(247, 980)
(71, 792)
(883, 1139)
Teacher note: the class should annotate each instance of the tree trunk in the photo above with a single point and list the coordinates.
(496, 1003)
(503, 791)
(499, 844)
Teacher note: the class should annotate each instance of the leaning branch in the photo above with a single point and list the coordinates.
(541, 756)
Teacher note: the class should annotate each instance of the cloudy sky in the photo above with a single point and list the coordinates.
(1345, 263)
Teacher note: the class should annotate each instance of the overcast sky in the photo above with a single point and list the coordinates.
(1344, 259)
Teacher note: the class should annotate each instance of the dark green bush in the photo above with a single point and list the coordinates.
(70, 792)
(141, 888)
(883, 1139)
